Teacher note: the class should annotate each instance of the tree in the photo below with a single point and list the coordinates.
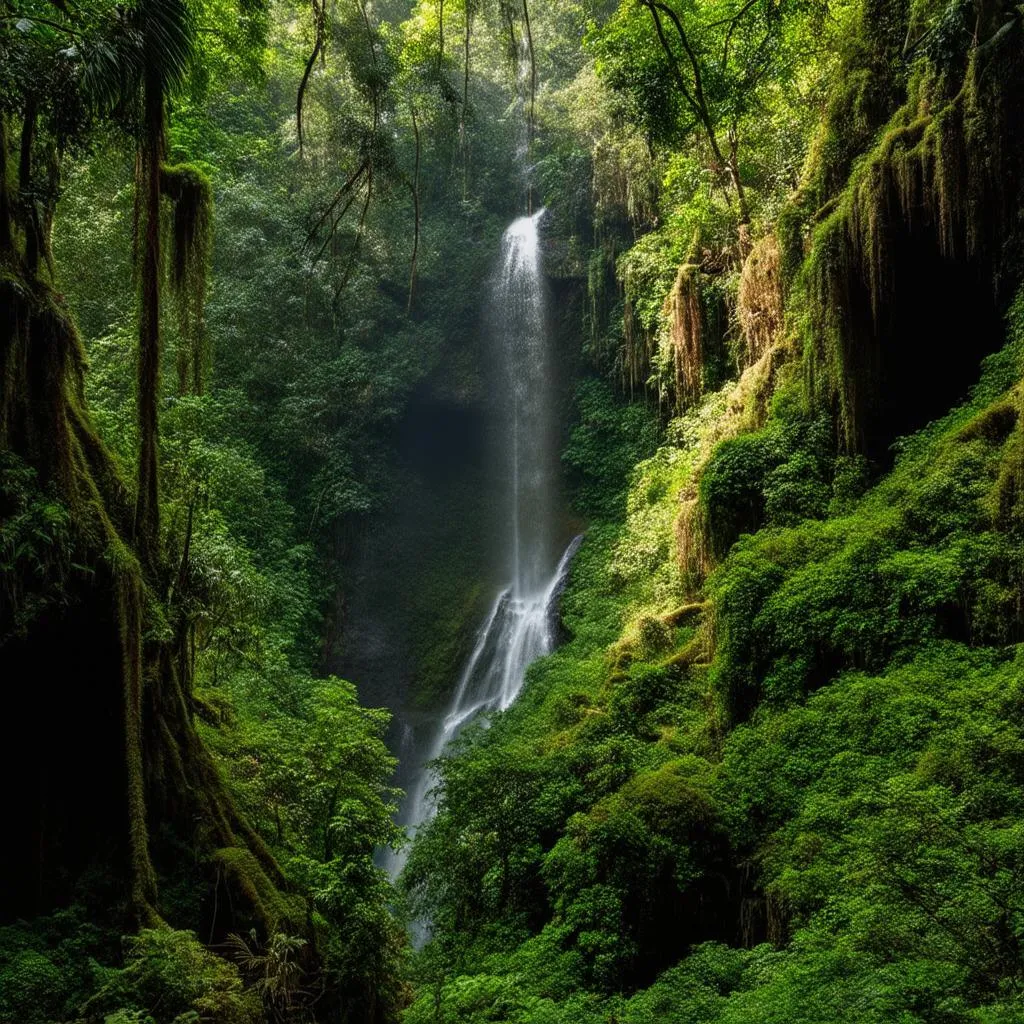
(718, 59)
(96, 611)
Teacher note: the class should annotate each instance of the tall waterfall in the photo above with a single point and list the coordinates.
(519, 627)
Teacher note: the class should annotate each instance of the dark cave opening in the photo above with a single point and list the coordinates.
(941, 317)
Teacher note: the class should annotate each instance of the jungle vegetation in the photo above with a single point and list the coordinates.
(775, 771)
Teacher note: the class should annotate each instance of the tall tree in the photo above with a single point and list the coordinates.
(90, 605)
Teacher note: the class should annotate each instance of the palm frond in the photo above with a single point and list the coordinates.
(168, 32)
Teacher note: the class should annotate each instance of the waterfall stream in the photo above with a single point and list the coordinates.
(520, 625)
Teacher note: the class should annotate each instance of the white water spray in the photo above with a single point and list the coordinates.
(520, 625)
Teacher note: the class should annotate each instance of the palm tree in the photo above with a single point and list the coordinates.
(157, 47)
(124, 63)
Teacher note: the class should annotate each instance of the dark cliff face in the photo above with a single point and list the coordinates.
(415, 577)
(411, 571)
(565, 276)
(418, 576)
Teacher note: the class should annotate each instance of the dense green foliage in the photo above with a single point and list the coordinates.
(772, 774)
(774, 771)
(253, 336)
(865, 818)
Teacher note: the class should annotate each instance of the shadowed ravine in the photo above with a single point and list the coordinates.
(520, 625)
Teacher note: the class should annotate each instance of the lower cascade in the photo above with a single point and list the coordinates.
(520, 625)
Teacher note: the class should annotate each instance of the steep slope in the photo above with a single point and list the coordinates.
(774, 773)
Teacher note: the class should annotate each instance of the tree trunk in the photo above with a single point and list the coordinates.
(416, 213)
(465, 103)
(533, 96)
(33, 244)
(147, 511)
(6, 213)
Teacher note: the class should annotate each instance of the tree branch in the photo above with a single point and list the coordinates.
(319, 25)
(697, 99)
(347, 187)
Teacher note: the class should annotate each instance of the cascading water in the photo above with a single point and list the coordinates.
(520, 625)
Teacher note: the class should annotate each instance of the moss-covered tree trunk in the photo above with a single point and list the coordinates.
(111, 783)
(147, 515)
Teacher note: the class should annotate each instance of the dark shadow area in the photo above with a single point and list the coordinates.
(944, 317)
(63, 752)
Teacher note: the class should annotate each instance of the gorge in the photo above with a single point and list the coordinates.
(521, 623)
(512, 513)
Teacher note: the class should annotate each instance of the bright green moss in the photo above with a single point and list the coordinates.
(914, 560)
(270, 906)
(732, 488)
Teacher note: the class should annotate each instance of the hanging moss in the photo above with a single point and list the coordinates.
(870, 87)
(759, 302)
(604, 306)
(692, 549)
(681, 347)
(191, 234)
(931, 192)
(635, 358)
(646, 272)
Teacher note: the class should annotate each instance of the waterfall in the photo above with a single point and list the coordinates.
(520, 625)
